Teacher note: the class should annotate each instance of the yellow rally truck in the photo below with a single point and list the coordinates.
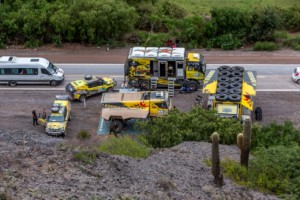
(230, 91)
(120, 107)
(90, 85)
(163, 64)
(56, 123)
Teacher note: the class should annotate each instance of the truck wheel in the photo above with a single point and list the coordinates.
(193, 85)
(12, 83)
(234, 97)
(82, 98)
(63, 135)
(223, 84)
(235, 91)
(224, 68)
(119, 125)
(221, 97)
(53, 83)
(222, 90)
(238, 68)
(236, 85)
(236, 79)
(144, 84)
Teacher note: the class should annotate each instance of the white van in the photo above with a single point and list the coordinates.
(25, 70)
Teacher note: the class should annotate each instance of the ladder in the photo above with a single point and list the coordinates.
(153, 82)
(171, 87)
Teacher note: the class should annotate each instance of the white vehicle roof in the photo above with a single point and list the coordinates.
(160, 53)
(13, 60)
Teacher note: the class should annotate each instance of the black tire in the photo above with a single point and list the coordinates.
(110, 90)
(234, 97)
(236, 74)
(193, 85)
(235, 85)
(222, 90)
(224, 73)
(235, 91)
(119, 125)
(12, 83)
(223, 78)
(223, 84)
(221, 97)
(82, 98)
(63, 135)
(236, 79)
(238, 68)
(224, 68)
(146, 85)
(53, 83)
(69, 117)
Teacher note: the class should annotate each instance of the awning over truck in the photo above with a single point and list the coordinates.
(124, 113)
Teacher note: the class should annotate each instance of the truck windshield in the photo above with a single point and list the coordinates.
(56, 118)
(52, 68)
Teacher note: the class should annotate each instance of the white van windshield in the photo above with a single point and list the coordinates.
(52, 68)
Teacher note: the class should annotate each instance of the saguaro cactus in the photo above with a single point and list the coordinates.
(244, 142)
(216, 170)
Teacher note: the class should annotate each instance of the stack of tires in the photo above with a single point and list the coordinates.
(230, 81)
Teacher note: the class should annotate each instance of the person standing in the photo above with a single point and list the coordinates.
(34, 118)
(44, 115)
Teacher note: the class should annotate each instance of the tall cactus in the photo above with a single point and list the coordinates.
(244, 142)
(216, 170)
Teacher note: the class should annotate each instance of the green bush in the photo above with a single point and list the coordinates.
(124, 146)
(281, 34)
(265, 46)
(275, 134)
(274, 170)
(85, 156)
(227, 42)
(83, 134)
(196, 125)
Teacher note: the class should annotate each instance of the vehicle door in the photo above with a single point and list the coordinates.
(45, 75)
(101, 87)
(180, 70)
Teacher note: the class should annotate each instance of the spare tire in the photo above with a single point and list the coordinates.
(236, 79)
(238, 68)
(221, 97)
(222, 90)
(224, 68)
(88, 77)
(223, 78)
(117, 126)
(235, 91)
(223, 84)
(237, 74)
(224, 73)
(234, 97)
(235, 85)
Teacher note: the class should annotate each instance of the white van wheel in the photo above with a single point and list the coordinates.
(12, 83)
(53, 83)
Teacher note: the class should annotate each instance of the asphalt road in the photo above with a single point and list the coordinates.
(270, 77)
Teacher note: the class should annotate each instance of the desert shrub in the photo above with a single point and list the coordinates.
(124, 146)
(86, 156)
(196, 125)
(83, 134)
(273, 170)
(275, 134)
(265, 46)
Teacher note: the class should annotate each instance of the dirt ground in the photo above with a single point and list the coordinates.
(36, 166)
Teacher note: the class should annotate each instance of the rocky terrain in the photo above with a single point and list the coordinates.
(35, 166)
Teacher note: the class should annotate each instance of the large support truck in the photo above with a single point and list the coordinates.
(120, 107)
(155, 67)
(230, 91)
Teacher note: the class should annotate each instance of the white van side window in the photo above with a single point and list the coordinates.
(31, 71)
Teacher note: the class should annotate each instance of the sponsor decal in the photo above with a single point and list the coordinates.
(247, 98)
(209, 75)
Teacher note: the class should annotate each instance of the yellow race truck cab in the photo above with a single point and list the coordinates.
(163, 64)
(230, 91)
(90, 85)
(123, 106)
(60, 115)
